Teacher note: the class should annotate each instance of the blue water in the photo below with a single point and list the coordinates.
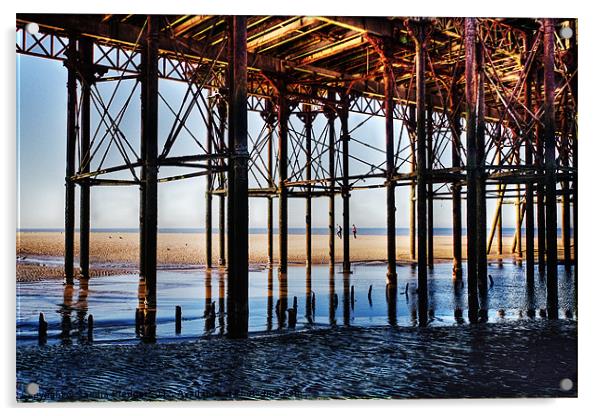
(113, 300)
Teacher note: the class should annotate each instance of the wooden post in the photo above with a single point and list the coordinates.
(550, 168)
(149, 111)
(238, 202)
(344, 117)
(42, 329)
(86, 53)
(90, 328)
(389, 78)
(471, 166)
(178, 319)
(518, 210)
(70, 157)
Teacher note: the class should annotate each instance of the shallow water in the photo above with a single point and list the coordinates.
(324, 299)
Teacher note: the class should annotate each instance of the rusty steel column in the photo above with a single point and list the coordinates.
(430, 196)
(481, 180)
(518, 246)
(223, 115)
(70, 64)
(566, 193)
(307, 116)
(500, 217)
(456, 190)
(283, 116)
(270, 119)
(344, 116)
(238, 186)
(87, 79)
(471, 166)
(389, 78)
(149, 112)
(209, 194)
(529, 212)
(540, 186)
(331, 115)
(412, 202)
(419, 30)
(550, 168)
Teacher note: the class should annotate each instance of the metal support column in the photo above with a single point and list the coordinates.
(238, 186)
(223, 115)
(70, 157)
(419, 32)
(344, 116)
(430, 196)
(471, 166)
(87, 78)
(456, 190)
(283, 116)
(209, 194)
(331, 115)
(550, 168)
(389, 78)
(149, 111)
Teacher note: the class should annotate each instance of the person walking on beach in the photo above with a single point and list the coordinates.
(339, 231)
(354, 231)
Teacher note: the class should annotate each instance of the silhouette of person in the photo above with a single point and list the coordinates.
(354, 231)
(339, 231)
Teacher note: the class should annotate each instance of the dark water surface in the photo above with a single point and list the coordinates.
(344, 344)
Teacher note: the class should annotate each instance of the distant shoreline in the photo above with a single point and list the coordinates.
(374, 231)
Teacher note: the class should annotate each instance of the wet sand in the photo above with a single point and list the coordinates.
(117, 253)
(488, 360)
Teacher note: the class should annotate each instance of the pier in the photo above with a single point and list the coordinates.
(473, 109)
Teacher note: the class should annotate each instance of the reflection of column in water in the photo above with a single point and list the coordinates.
(391, 296)
(431, 294)
(346, 299)
(282, 304)
(270, 297)
(221, 301)
(209, 313)
(530, 301)
(458, 286)
(140, 308)
(483, 307)
(308, 304)
(423, 307)
(65, 311)
(149, 313)
(332, 296)
(82, 309)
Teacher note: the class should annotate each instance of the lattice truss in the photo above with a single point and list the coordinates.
(198, 114)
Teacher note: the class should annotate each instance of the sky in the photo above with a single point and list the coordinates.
(41, 137)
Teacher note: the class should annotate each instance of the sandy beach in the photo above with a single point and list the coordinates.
(115, 252)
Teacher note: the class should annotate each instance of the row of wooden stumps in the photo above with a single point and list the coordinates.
(43, 329)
